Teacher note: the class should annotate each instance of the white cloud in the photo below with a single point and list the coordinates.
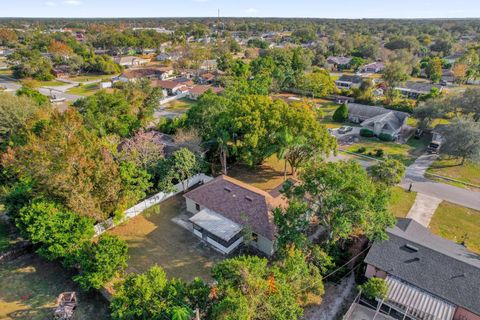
(73, 2)
(251, 10)
(51, 4)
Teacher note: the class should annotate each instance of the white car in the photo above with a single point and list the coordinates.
(345, 129)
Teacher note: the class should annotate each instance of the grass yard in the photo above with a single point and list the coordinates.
(406, 153)
(6, 72)
(29, 287)
(267, 176)
(328, 108)
(180, 104)
(457, 223)
(91, 77)
(401, 201)
(469, 172)
(154, 239)
(51, 83)
(85, 90)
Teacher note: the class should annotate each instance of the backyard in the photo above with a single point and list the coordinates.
(154, 239)
(458, 224)
(182, 104)
(29, 287)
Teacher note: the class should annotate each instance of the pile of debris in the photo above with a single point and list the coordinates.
(67, 303)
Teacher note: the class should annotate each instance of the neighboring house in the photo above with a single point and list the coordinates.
(209, 65)
(164, 56)
(5, 52)
(378, 119)
(224, 207)
(428, 277)
(184, 80)
(195, 92)
(349, 82)
(374, 67)
(61, 72)
(454, 57)
(170, 87)
(161, 73)
(339, 63)
(130, 61)
(448, 77)
(413, 90)
(206, 78)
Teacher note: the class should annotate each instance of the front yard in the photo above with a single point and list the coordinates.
(469, 172)
(182, 104)
(458, 224)
(401, 201)
(84, 90)
(91, 77)
(405, 153)
(29, 287)
(153, 238)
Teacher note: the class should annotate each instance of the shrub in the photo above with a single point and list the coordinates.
(361, 150)
(385, 137)
(364, 132)
(341, 114)
(374, 288)
(379, 153)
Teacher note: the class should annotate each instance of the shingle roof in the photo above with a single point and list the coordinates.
(239, 202)
(362, 110)
(167, 84)
(434, 264)
(349, 78)
(339, 60)
(421, 87)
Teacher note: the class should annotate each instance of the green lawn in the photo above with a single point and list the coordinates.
(406, 153)
(6, 72)
(328, 108)
(51, 83)
(92, 77)
(457, 223)
(85, 90)
(29, 287)
(401, 201)
(180, 104)
(469, 172)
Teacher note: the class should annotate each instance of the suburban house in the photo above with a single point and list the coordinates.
(135, 74)
(339, 63)
(209, 65)
(206, 78)
(428, 277)
(374, 67)
(378, 119)
(170, 87)
(195, 92)
(172, 56)
(349, 82)
(130, 61)
(413, 90)
(224, 207)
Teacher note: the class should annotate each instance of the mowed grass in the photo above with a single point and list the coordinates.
(405, 153)
(327, 108)
(91, 77)
(267, 176)
(153, 239)
(29, 287)
(85, 90)
(458, 224)
(180, 104)
(469, 172)
(51, 83)
(401, 201)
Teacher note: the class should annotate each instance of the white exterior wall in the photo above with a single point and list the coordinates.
(191, 206)
(223, 249)
(265, 245)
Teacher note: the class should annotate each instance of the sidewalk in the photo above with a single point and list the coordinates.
(423, 209)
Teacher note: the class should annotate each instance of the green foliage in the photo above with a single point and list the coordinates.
(341, 114)
(36, 96)
(58, 232)
(135, 181)
(357, 62)
(385, 137)
(17, 196)
(318, 83)
(292, 224)
(364, 132)
(100, 261)
(346, 199)
(170, 126)
(433, 69)
(180, 167)
(462, 139)
(379, 153)
(389, 172)
(361, 150)
(321, 259)
(374, 288)
(151, 295)
(31, 64)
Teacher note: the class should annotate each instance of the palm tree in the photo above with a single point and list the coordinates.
(285, 140)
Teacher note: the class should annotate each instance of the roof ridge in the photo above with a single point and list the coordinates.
(246, 186)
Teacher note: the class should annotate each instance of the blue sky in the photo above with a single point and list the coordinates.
(243, 8)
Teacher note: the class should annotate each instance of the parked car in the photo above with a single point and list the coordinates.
(418, 133)
(345, 129)
(434, 148)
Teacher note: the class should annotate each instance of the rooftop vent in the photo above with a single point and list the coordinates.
(248, 198)
(227, 189)
(410, 247)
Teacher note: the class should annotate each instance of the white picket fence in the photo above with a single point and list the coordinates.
(101, 227)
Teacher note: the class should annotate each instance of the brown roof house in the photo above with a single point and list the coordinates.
(195, 92)
(224, 207)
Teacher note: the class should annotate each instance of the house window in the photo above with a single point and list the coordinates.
(197, 207)
(254, 237)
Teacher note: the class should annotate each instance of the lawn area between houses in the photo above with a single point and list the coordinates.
(154, 239)
(84, 90)
(458, 224)
(469, 172)
(51, 83)
(406, 153)
(180, 104)
(401, 201)
(91, 77)
(29, 287)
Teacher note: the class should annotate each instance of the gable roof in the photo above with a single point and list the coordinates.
(142, 72)
(431, 263)
(420, 87)
(349, 78)
(365, 111)
(167, 84)
(239, 202)
(339, 60)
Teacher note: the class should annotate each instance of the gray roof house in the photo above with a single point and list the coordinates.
(348, 82)
(428, 277)
(413, 90)
(377, 119)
